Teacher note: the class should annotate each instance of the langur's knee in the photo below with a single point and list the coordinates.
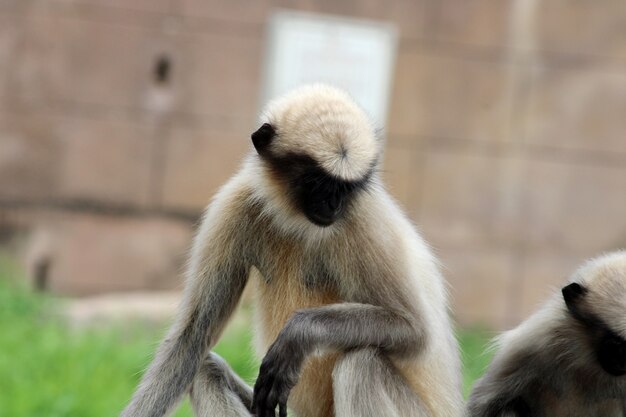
(366, 384)
(217, 391)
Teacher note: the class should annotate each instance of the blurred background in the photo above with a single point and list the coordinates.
(505, 124)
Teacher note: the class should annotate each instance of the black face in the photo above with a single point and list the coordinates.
(611, 353)
(323, 198)
(609, 347)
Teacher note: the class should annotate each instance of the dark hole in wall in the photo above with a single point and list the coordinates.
(162, 70)
(42, 272)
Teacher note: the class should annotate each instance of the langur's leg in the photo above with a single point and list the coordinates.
(366, 384)
(217, 391)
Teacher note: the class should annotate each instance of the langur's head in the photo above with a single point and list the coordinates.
(318, 152)
(596, 299)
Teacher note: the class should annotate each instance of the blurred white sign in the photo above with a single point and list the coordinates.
(355, 55)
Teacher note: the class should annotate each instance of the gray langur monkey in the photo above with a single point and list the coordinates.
(352, 314)
(569, 358)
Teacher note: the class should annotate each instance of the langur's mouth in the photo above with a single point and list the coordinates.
(320, 220)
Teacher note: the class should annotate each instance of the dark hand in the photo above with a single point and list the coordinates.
(278, 374)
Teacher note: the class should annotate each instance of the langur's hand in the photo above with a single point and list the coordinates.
(278, 374)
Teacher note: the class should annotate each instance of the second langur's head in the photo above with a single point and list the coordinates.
(318, 152)
(596, 299)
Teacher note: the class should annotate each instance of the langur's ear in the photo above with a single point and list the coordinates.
(572, 293)
(263, 137)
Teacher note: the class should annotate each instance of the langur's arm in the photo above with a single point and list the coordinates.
(339, 327)
(349, 326)
(216, 278)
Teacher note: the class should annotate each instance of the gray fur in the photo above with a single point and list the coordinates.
(218, 391)
(380, 389)
(203, 314)
(338, 327)
(349, 326)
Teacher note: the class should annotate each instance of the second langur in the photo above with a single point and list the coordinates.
(352, 311)
(569, 358)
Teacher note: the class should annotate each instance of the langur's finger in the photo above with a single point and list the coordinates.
(272, 397)
(282, 402)
(262, 386)
(269, 411)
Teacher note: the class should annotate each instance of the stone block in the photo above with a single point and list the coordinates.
(443, 98)
(544, 273)
(239, 11)
(221, 78)
(198, 162)
(88, 254)
(578, 110)
(97, 66)
(402, 175)
(470, 199)
(109, 162)
(586, 27)
(158, 6)
(8, 5)
(407, 15)
(9, 38)
(575, 207)
(31, 155)
(119, 309)
(481, 285)
(62, 158)
(407, 111)
(474, 23)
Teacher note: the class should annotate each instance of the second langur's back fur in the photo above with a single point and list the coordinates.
(352, 313)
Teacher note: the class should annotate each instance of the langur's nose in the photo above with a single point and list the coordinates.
(333, 205)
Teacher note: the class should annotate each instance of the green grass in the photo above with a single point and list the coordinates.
(50, 370)
(474, 354)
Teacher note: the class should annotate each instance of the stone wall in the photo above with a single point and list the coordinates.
(120, 118)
